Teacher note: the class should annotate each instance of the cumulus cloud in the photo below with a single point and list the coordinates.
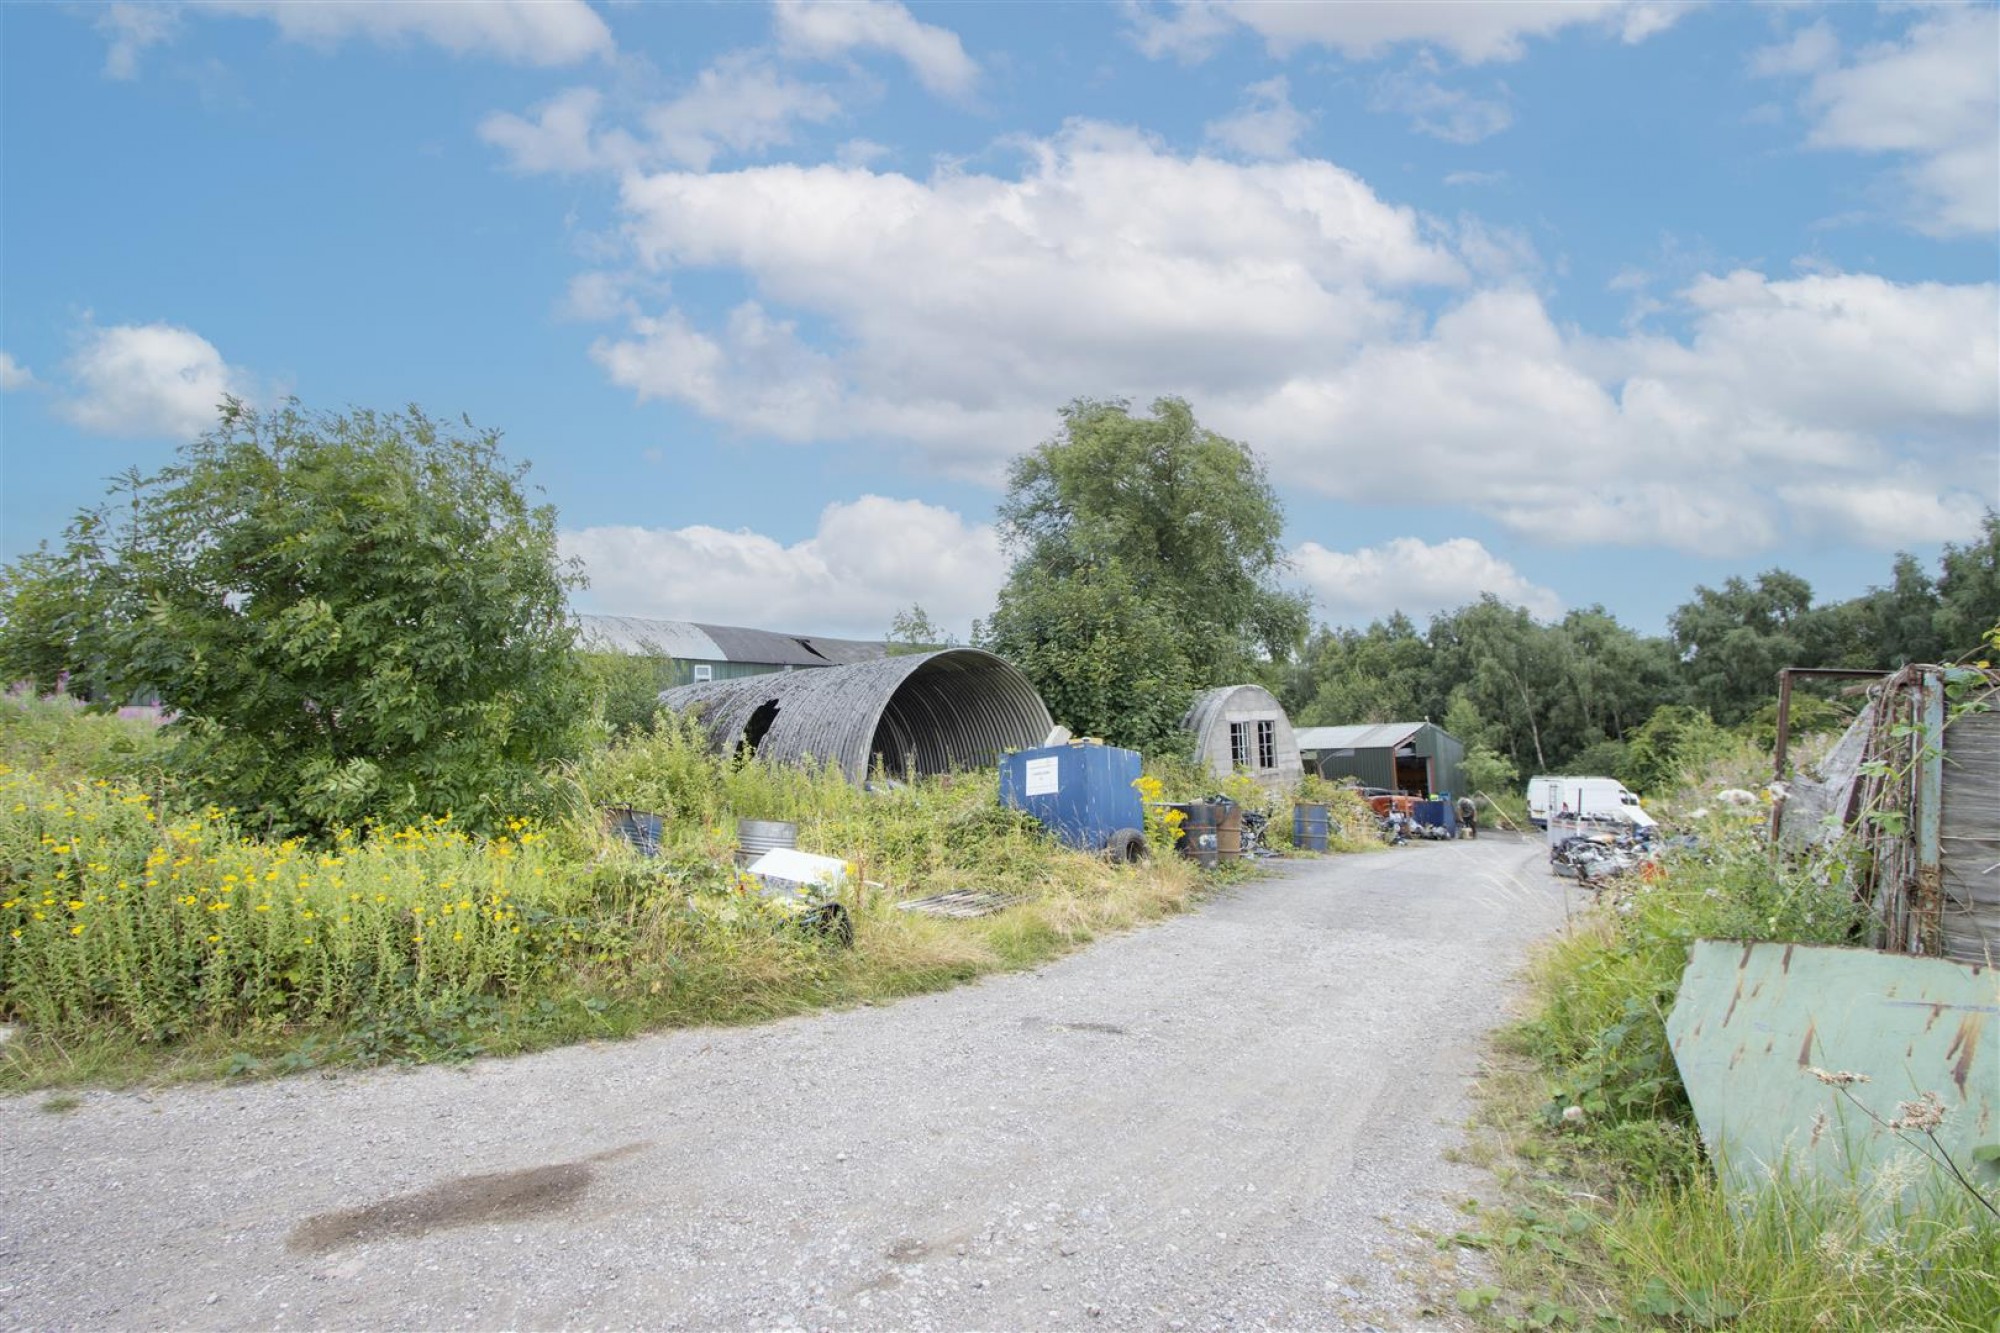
(740, 104)
(1267, 125)
(950, 316)
(1451, 114)
(868, 559)
(128, 29)
(1415, 577)
(1931, 97)
(969, 305)
(522, 32)
(148, 381)
(13, 375)
(827, 29)
(1494, 30)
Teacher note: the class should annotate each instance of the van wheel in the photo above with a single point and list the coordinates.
(1128, 847)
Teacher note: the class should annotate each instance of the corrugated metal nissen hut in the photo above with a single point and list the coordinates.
(703, 653)
(1243, 728)
(1416, 758)
(905, 717)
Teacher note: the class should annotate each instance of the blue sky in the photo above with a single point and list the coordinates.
(1580, 303)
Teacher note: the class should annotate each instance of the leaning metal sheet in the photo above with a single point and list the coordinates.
(1753, 1021)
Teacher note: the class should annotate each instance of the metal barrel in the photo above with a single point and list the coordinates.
(1229, 831)
(754, 837)
(640, 828)
(1198, 833)
(1309, 826)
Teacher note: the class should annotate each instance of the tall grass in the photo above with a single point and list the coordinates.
(1607, 1119)
(138, 939)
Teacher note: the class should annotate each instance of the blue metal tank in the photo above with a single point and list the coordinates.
(1082, 793)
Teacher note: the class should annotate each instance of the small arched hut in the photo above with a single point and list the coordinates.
(910, 716)
(1244, 728)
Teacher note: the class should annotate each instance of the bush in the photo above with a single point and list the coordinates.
(353, 618)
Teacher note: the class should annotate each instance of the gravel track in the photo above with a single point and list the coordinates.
(1238, 1117)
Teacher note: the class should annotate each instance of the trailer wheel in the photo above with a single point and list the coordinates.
(1128, 847)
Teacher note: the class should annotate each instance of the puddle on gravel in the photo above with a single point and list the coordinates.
(500, 1196)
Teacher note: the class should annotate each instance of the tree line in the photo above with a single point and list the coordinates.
(364, 616)
(1148, 566)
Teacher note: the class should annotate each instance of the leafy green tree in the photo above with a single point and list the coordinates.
(625, 688)
(913, 631)
(1381, 674)
(1175, 519)
(56, 609)
(1511, 670)
(1733, 640)
(352, 617)
(1488, 771)
(1108, 662)
(1968, 590)
(1675, 741)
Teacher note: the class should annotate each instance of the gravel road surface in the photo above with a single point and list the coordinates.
(1237, 1118)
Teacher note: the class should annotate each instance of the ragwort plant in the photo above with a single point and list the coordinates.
(115, 913)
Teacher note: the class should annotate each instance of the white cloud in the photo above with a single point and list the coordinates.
(969, 306)
(1415, 577)
(1787, 389)
(1451, 114)
(562, 137)
(130, 28)
(523, 32)
(740, 104)
(827, 29)
(1807, 51)
(1889, 512)
(1492, 30)
(148, 381)
(1267, 125)
(951, 316)
(14, 375)
(1932, 97)
(868, 559)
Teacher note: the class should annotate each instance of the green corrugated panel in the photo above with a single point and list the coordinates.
(1752, 1022)
(1371, 768)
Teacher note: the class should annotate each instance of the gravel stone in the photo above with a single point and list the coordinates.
(1234, 1119)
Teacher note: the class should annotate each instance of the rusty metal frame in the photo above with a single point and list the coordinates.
(1785, 677)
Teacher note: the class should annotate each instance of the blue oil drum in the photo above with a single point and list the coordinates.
(1081, 793)
(1309, 827)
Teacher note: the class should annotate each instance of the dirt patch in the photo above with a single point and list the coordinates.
(502, 1196)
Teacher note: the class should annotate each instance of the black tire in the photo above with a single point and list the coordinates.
(833, 923)
(1128, 847)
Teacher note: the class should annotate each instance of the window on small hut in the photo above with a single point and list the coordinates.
(1267, 744)
(1239, 745)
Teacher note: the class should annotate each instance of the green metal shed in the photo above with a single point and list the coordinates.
(1420, 758)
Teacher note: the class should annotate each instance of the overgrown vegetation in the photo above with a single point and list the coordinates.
(148, 937)
(1615, 1218)
(352, 617)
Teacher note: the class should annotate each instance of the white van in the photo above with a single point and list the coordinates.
(1590, 798)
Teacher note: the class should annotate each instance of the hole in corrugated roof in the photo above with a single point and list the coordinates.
(760, 722)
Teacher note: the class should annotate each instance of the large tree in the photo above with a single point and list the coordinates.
(1732, 641)
(351, 617)
(1969, 590)
(1122, 527)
